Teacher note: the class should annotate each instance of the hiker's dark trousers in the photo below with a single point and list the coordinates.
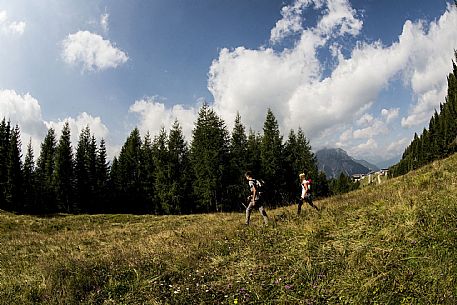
(308, 199)
(252, 205)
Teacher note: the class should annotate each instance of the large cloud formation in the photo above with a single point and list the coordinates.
(154, 115)
(291, 81)
(25, 111)
(91, 51)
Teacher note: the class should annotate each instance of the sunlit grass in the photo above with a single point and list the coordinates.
(388, 244)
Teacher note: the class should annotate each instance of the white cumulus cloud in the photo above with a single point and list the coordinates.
(25, 111)
(292, 83)
(291, 21)
(91, 51)
(153, 115)
(390, 114)
(397, 147)
(366, 119)
(431, 52)
(367, 148)
(95, 124)
(340, 19)
(8, 27)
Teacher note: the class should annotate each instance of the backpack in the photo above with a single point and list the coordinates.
(308, 183)
(259, 184)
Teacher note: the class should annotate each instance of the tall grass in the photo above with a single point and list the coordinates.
(395, 243)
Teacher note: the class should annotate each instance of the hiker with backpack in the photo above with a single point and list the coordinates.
(305, 193)
(255, 198)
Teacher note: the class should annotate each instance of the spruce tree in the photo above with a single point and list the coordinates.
(440, 139)
(161, 171)
(180, 187)
(102, 179)
(115, 188)
(293, 166)
(342, 185)
(253, 162)
(299, 158)
(209, 158)
(307, 160)
(148, 174)
(14, 191)
(45, 172)
(5, 134)
(92, 163)
(81, 170)
(272, 162)
(238, 165)
(63, 176)
(30, 203)
(86, 165)
(131, 195)
(322, 188)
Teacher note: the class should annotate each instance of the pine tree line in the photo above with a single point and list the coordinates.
(440, 139)
(162, 174)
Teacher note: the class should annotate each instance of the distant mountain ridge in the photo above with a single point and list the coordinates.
(370, 166)
(334, 161)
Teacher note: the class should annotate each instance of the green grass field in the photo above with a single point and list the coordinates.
(390, 244)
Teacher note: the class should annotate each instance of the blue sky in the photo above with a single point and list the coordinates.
(360, 75)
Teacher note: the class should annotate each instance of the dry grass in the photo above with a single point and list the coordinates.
(388, 244)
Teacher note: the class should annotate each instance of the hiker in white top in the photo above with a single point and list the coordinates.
(255, 199)
(305, 193)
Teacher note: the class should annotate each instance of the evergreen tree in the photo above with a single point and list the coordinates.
(209, 157)
(131, 193)
(293, 166)
(162, 171)
(45, 172)
(86, 165)
(238, 165)
(307, 160)
(115, 188)
(440, 139)
(271, 156)
(14, 192)
(30, 194)
(148, 174)
(451, 108)
(92, 158)
(82, 171)
(299, 159)
(342, 185)
(63, 172)
(322, 186)
(5, 134)
(180, 187)
(102, 179)
(254, 143)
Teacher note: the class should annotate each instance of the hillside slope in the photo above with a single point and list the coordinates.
(390, 244)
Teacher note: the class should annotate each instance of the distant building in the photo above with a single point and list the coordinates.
(384, 171)
(357, 177)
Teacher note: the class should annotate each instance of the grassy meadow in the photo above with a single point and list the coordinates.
(394, 243)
